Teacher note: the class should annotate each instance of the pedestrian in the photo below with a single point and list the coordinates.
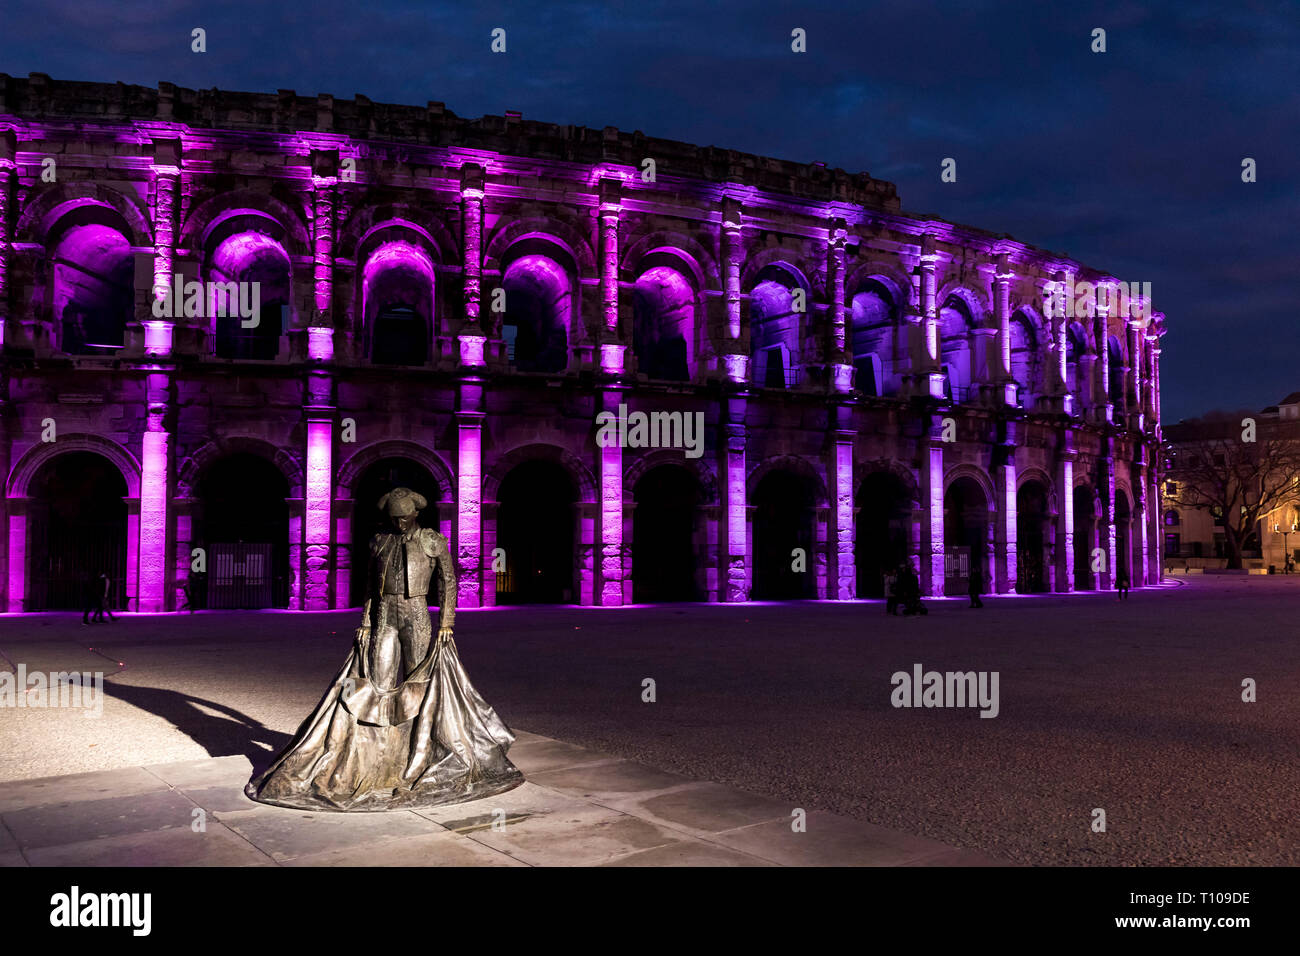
(90, 600)
(975, 584)
(103, 589)
(891, 592)
(1121, 584)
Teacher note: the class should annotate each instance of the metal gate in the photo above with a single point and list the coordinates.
(239, 576)
(67, 559)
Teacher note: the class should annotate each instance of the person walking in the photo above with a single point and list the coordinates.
(1121, 584)
(891, 592)
(90, 601)
(103, 588)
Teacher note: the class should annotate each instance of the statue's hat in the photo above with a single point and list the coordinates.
(402, 501)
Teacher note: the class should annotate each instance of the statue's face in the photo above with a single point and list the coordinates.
(403, 523)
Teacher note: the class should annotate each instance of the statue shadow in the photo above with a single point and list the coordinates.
(231, 735)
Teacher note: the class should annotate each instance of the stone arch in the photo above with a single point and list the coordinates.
(667, 456)
(350, 472)
(46, 208)
(777, 255)
(794, 463)
(365, 223)
(192, 467)
(581, 475)
(897, 282)
(31, 462)
(978, 475)
(700, 265)
(557, 231)
(980, 309)
(1027, 475)
(865, 469)
(211, 213)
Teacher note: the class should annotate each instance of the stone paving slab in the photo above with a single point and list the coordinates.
(578, 807)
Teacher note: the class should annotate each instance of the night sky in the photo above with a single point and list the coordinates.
(1128, 161)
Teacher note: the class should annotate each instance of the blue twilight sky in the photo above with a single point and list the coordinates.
(1129, 161)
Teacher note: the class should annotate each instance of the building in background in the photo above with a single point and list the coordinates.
(1231, 494)
(451, 304)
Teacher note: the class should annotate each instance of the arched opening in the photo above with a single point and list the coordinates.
(1085, 533)
(774, 327)
(243, 524)
(397, 289)
(1076, 346)
(535, 524)
(538, 307)
(665, 528)
(1032, 520)
(784, 517)
(243, 258)
(1024, 358)
(1123, 538)
(873, 323)
(955, 348)
(883, 531)
(965, 536)
(369, 520)
(92, 281)
(1115, 373)
(76, 523)
(663, 324)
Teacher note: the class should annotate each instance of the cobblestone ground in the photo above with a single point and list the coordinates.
(1132, 707)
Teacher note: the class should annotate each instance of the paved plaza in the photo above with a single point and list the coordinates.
(1133, 707)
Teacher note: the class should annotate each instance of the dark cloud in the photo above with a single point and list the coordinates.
(1128, 161)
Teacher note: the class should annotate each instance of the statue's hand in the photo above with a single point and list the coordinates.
(444, 634)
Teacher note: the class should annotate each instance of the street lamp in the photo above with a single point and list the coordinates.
(1286, 552)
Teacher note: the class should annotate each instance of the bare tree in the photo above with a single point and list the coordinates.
(1238, 467)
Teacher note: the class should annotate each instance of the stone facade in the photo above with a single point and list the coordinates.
(451, 303)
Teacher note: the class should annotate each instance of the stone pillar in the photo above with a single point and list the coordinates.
(8, 173)
(1155, 555)
(1106, 580)
(733, 254)
(155, 492)
(1002, 308)
(317, 508)
(838, 358)
(932, 544)
(1135, 359)
(473, 562)
(1065, 514)
(612, 568)
(842, 572)
(735, 585)
(610, 209)
(1006, 538)
(472, 337)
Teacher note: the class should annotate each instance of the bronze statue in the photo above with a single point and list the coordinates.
(401, 726)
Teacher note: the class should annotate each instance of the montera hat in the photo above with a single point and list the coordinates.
(402, 501)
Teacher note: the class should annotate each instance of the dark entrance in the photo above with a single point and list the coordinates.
(883, 530)
(1123, 538)
(243, 503)
(368, 520)
(784, 515)
(76, 531)
(663, 536)
(535, 524)
(1031, 538)
(965, 536)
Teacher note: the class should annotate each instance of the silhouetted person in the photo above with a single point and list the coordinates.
(909, 585)
(1121, 584)
(891, 591)
(976, 584)
(103, 588)
(90, 601)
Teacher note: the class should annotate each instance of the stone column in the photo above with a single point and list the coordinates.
(735, 586)
(1136, 342)
(319, 407)
(473, 562)
(1155, 555)
(1002, 308)
(1065, 514)
(472, 337)
(1006, 559)
(1106, 580)
(843, 577)
(838, 358)
(612, 567)
(932, 544)
(8, 168)
(8, 173)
